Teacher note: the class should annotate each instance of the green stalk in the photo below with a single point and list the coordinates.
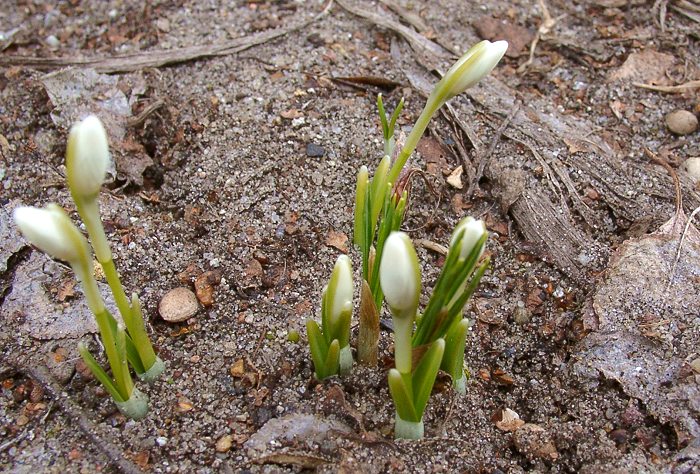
(90, 213)
(414, 137)
(403, 351)
(121, 376)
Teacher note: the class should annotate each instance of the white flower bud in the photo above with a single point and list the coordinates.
(473, 231)
(52, 231)
(341, 282)
(399, 274)
(87, 157)
(473, 66)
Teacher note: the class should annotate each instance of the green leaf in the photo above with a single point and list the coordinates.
(382, 117)
(99, 373)
(471, 287)
(361, 194)
(425, 373)
(378, 190)
(341, 331)
(402, 396)
(395, 116)
(455, 340)
(332, 362)
(318, 346)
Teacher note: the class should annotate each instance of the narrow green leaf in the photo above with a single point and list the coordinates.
(332, 362)
(360, 205)
(99, 373)
(466, 267)
(318, 346)
(126, 383)
(378, 190)
(471, 287)
(395, 116)
(382, 117)
(455, 340)
(341, 330)
(425, 373)
(402, 396)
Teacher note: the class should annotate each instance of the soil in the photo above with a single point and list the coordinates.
(236, 152)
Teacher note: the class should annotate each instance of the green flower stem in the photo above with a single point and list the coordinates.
(120, 297)
(403, 351)
(414, 137)
(89, 211)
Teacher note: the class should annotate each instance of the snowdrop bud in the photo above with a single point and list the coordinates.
(87, 157)
(52, 231)
(473, 66)
(399, 274)
(473, 231)
(341, 286)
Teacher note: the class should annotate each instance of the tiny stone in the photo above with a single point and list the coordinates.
(224, 444)
(692, 167)
(52, 41)
(314, 150)
(161, 440)
(521, 315)
(178, 304)
(682, 122)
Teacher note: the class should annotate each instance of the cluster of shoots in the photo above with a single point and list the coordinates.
(126, 342)
(426, 342)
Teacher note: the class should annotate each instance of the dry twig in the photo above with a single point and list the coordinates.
(679, 89)
(137, 61)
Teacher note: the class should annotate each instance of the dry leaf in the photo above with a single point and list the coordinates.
(507, 420)
(455, 178)
(338, 240)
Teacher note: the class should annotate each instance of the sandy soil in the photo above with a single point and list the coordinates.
(235, 169)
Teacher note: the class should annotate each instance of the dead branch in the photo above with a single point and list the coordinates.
(137, 61)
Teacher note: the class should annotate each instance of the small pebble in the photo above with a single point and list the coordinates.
(178, 304)
(314, 150)
(521, 315)
(161, 440)
(53, 42)
(224, 444)
(681, 122)
(692, 167)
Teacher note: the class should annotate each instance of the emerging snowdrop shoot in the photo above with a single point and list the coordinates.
(87, 160)
(50, 229)
(330, 344)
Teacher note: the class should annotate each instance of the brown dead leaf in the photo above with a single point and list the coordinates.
(648, 66)
(253, 270)
(204, 286)
(183, 405)
(141, 459)
(455, 178)
(66, 290)
(507, 420)
(338, 240)
(458, 204)
(501, 377)
(493, 29)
